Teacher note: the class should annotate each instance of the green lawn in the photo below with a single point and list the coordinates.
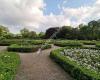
(9, 63)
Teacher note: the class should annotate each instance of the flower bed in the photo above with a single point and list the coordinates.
(82, 64)
(9, 63)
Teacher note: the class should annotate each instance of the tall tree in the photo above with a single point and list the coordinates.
(41, 35)
(24, 32)
(51, 31)
(32, 34)
(3, 31)
(64, 32)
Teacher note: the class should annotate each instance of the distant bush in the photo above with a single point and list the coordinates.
(9, 63)
(67, 43)
(89, 42)
(7, 42)
(37, 42)
(27, 48)
(46, 46)
(98, 45)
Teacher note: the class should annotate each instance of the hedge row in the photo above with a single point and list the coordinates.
(46, 46)
(89, 42)
(27, 48)
(98, 45)
(37, 42)
(23, 48)
(68, 43)
(76, 71)
(9, 63)
(8, 42)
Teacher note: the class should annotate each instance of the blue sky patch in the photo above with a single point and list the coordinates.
(52, 5)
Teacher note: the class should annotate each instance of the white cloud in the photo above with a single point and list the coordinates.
(83, 14)
(21, 12)
(29, 13)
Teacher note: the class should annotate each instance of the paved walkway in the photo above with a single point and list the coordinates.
(39, 66)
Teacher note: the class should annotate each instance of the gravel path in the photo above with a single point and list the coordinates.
(2, 48)
(36, 66)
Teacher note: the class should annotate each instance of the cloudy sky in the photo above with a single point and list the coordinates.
(38, 15)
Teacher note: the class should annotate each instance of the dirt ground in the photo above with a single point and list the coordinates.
(39, 66)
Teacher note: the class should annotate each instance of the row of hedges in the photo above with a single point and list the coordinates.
(23, 48)
(98, 45)
(9, 63)
(37, 42)
(75, 70)
(89, 42)
(27, 48)
(45, 46)
(68, 43)
(8, 42)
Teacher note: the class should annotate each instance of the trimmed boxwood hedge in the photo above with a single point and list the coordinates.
(98, 45)
(37, 42)
(8, 42)
(67, 43)
(46, 46)
(23, 48)
(27, 48)
(89, 42)
(9, 63)
(76, 71)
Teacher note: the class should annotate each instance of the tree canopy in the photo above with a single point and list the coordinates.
(91, 31)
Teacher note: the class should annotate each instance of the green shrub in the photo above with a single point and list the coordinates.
(9, 63)
(8, 42)
(68, 43)
(89, 42)
(75, 70)
(27, 48)
(98, 45)
(37, 42)
(23, 48)
(46, 46)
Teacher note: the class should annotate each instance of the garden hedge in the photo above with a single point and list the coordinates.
(8, 42)
(23, 48)
(98, 45)
(27, 48)
(68, 43)
(76, 71)
(46, 46)
(9, 63)
(37, 42)
(89, 42)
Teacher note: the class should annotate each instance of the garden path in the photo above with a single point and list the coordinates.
(2, 48)
(35, 66)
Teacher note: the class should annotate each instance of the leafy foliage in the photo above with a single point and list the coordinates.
(23, 48)
(9, 62)
(63, 43)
